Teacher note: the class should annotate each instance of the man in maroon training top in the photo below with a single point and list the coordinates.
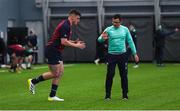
(53, 53)
(16, 52)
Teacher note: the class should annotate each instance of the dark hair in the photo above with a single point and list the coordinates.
(75, 12)
(117, 16)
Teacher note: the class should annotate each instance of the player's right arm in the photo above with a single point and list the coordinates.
(103, 36)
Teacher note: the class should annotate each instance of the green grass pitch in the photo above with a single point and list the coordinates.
(82, 87)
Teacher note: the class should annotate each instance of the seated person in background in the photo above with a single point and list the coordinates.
(32, 46)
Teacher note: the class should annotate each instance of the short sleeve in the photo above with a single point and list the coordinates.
(64, 31)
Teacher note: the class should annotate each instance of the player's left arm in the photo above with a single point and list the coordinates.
(66, 42)
(130, 41)
(132, 46)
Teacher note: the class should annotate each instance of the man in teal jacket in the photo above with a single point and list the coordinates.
(117, 35)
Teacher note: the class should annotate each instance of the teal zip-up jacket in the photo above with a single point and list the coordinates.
(117, 38)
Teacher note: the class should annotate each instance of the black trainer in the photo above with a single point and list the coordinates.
(107, 97)
(125, 97)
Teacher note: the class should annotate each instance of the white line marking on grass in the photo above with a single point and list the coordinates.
(41, 67)
(176, 64)
(3, 70)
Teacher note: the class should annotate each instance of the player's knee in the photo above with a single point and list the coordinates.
(58, 74)
(61, 73)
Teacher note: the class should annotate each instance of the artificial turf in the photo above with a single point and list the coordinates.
(82, 87)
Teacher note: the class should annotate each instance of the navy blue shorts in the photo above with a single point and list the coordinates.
(52, 55)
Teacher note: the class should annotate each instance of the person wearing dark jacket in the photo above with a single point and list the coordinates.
(159, 39)
(2, 51)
